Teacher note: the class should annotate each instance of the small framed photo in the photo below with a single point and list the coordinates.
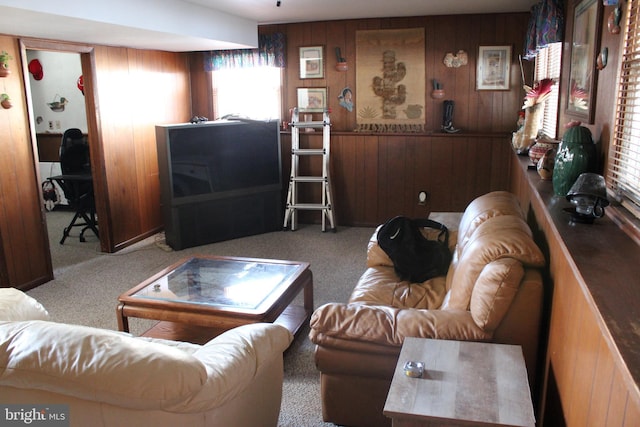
(311, 62)
(312, 100)
(494, 68)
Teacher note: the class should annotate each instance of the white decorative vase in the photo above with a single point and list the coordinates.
(526, 136)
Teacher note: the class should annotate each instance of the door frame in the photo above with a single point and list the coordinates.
(95, 139)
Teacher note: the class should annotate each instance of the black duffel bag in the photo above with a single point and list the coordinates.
(415, 257)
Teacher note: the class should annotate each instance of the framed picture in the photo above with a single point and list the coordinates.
(494, 68)
(311, 62)
(312, 100)
(584, 48)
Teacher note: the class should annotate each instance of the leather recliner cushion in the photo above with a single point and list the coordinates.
(96, 364)
(16, 305)
(497, 238)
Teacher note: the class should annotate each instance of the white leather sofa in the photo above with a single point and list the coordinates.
(111, 378)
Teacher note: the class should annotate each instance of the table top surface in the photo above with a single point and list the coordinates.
(75, 177)
(482, 384)
(248, 285)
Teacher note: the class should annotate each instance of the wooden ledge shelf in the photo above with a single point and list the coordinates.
(592, 361)
(429, 133)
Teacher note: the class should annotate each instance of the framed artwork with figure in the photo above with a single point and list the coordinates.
(494, 68)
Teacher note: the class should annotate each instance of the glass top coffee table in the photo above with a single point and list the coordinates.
(202, 296)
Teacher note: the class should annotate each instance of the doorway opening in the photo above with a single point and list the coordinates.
(55, 77)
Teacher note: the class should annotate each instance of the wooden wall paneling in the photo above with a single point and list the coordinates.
(473, 99)
(463, 82)
(440, 166)
(141, 83)
(349, 52)
(501, 153)
(336, 80)
(631, 413)
(475, 164)
(484, 111)
(618, 403)
(137, 90)
(464, 173)
(367, 162)
(412, 177)
(392, 176)
(603, 373)
(117, 106)
(354, 186)
(147, 175)
(420, 156)
(4, 271)
(484, 163)
(486, 98)
(496, 102)
(515, 95)
(442, 40)
(97, 150)
(201, 92)
(344, 178)
(25, 245)
(433, 107)
(585, 341)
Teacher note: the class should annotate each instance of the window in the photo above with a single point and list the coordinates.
(548, 61)
(623, 165)
(252, 92)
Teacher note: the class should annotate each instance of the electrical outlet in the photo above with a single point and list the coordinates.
(422, 197)
(50, 124)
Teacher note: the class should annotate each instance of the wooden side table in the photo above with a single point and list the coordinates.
(464, 383)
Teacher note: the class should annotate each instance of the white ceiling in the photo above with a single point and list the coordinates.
(192, 25)
(267, 11)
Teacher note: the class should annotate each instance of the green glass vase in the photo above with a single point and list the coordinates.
(576, 154)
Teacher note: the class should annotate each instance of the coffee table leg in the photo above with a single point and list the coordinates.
(308, 297)
(123, 321)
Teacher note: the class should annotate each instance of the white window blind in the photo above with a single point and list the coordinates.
(623, 165)
(548, 62)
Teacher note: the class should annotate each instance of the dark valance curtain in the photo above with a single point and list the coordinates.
(270, 52)
(546, 26)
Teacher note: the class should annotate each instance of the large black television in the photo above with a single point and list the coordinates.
(215, 158)
(219, 180)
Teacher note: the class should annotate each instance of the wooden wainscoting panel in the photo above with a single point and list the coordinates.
(586, 342)
(25, 244)
(600, 402)
(155, 91)
(591, 360)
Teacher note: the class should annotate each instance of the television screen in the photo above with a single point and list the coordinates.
(224, 156)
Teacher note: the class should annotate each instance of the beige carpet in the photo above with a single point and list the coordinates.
(87, 284)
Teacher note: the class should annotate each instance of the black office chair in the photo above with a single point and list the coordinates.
(76, 182)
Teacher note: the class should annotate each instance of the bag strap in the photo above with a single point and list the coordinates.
(429, 223)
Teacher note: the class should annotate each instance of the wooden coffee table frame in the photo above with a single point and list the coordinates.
(199, 323)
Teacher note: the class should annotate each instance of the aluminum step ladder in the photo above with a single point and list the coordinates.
(325, 205)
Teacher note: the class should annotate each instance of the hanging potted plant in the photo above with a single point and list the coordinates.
(4, 63)
(5, 101)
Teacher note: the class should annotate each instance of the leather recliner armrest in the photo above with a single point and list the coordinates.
(348, 325)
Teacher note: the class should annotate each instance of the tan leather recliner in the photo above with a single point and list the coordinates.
(492, 292)
(110, 378)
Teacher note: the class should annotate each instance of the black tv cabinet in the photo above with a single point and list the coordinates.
(219, 180)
